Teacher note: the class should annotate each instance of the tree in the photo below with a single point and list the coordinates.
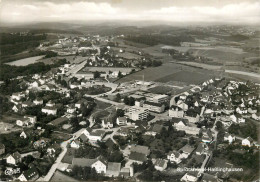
(120, 113)
(219, 126)
(126, 100)
(96, 74)
(119, 74)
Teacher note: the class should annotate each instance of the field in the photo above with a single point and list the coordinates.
(161, 89)
(187, 77)
(171, 72)
(25, 61)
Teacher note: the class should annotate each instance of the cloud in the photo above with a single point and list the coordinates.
(50, 11)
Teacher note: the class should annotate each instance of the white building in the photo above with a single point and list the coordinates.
(49, 110)
(137, 113)
(247, 142)
(176, 112)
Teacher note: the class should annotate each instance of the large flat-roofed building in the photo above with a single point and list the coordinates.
(137, 113)
(161, 98)
(154, 107)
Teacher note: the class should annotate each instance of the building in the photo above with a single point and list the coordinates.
(183, 125)
(140, 149)
(99, 164)
(38, 101)
(93, 136)
(136, 157)
(49, 110)
(108, 122)
(154, 107)
(192, 116)
(121, 121)
(160, 164)
(161, 98)
(14, 158)
(29, 175)
(248, 142)
(230, 138)
(174, 156)
(137, 113)
(71, 109)
(186, 151)
(75, 144)
(190, 177)
(113, 169)
(176, 112)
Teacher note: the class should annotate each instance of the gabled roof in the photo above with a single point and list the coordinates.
(160, 162)
(137, 156)
(176, 154)
(113, 167)
(83, 137)
(58, 121)
(140, 149)
(187, 148)
(30, 173)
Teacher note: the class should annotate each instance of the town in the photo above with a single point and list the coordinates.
(75, 121)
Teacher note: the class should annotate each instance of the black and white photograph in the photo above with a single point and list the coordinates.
(130, 90)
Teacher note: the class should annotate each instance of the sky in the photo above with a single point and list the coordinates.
(208, 11)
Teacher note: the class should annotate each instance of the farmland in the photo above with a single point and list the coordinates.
(171, 72)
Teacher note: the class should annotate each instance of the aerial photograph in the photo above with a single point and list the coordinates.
(130, 90)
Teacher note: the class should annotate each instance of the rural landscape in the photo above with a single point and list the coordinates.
(127, 100)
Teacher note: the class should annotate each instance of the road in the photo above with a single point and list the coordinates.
(60, 157)
(243, 73)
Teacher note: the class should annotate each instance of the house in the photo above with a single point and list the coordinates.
(29, 175)
(32, 119)
(108, 122)
(113, 169)
(22, 122)
(17, 96)
(256, 116)
(207, 136)
(58, 121)
(247, 142)
(14, 158)
(93, 136)
(182, 105)
(75, 144)
(35, 84)
(23, 135)
(154, 107)
(140, 149)
(27, 104)
(2, 148)
(17, 108)
(121, 121)
(201, 149)
(185, 151)
(38, 101)
(136, 157)
(50, 103)
(190, 177)
(176, 111)
(233, 118)
(160, 164)
(156, 129)
(230, 138)
(99, 164)
(71, 109)
(49, 110)
(241, 110)
(192, 116)
(174, 156)
(184, 125)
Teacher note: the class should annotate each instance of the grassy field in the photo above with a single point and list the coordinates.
(187, 77)
(171, 72)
